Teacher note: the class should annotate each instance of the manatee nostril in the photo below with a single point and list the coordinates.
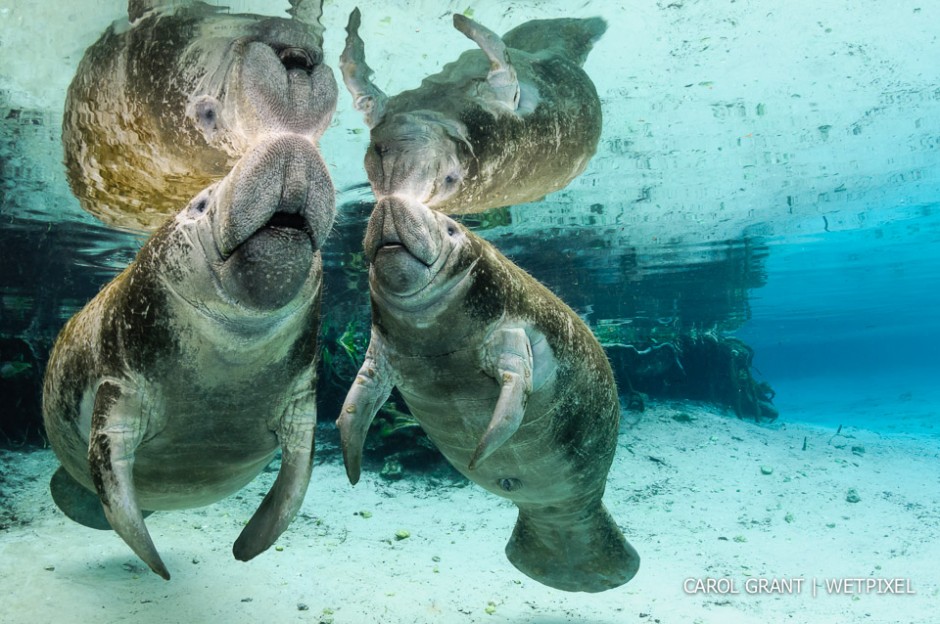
(298, 58)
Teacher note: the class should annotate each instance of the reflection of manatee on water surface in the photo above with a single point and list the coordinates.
(504, 124)
(506, 380)
(175, 386)
(165, 104)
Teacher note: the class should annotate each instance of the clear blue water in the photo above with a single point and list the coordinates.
(846, 326)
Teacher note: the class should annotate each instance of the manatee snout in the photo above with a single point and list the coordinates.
(403, 240)
(274, 211)
(281, 81)
(418, 154)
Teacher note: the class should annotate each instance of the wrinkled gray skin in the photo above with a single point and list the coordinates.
(505, 124)
(506, 380)
(165, 105)
(177, 383)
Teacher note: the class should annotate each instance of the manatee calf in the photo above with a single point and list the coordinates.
(175, 386)
(506, 380)
(504, 124)
(165, 104)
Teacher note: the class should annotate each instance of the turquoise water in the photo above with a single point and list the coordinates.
(846, 325)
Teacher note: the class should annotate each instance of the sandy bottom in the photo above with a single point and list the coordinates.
(689, 488)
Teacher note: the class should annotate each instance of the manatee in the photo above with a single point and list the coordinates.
(506, 380)
(166, 103)
(504, 124)
(175, 386)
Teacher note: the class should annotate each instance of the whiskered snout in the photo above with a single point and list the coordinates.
(403, 222)
(280, 82)
(419, 155)
(282, 184)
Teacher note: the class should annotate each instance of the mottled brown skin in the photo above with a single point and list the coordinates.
(199, 360)
(432, 340)
(454, 145)
(163, 107)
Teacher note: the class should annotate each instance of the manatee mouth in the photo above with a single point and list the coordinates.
(292, 225)
(402, 236)
(388, 249)
(286, 226)
(296, 58)
(288, 220)
(390, 242)
(268, 269)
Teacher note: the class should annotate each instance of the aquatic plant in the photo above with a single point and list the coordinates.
(698, 364)
(15, 368)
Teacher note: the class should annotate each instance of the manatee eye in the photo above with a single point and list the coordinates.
(451, 230)
(206, 116)
(198, 206)
(205, 112)
(450, 180)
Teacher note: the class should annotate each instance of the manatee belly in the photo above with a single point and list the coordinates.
(178, 472)
(204, 449)
(539, 464)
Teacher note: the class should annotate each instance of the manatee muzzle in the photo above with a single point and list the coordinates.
(280, 209)
(403, 243)
(416, 155)
(280, 82)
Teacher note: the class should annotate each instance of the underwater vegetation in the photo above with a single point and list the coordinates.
(697, 366)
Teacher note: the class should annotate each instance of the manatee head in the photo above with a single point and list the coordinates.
(250, 244)
(417, 255)
(166, 105)
(421, 154)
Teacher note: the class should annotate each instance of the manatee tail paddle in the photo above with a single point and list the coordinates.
(570, 37)
(78, 503)
(580, 550)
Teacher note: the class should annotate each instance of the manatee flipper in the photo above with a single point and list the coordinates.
(137, 8)
(308, 12)
(570, 38)
(295, 431)
(502, 76)
(367, 98)
(509, 360)
(117, 427)
(371, 389)
(575, 548)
